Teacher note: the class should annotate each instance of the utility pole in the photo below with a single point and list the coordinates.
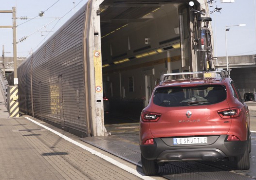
(14, 46)
(13, 105)
(13, 12)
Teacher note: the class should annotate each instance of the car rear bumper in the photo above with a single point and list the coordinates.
(169, 152)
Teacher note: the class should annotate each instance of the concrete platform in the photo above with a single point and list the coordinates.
(30, 152)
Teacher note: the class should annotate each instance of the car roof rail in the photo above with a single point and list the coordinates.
(224, 73)
(184, 75)
(195, 75)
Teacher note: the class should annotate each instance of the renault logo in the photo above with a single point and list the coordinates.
(189, 114)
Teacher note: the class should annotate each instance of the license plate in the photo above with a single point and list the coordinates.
(190, 140)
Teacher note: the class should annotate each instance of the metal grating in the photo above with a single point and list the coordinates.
(118, 147)
(55, 76)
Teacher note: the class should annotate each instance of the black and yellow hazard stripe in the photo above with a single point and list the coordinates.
(14, 103)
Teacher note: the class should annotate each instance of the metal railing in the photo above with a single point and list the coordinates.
(191, 75)
(4, 86)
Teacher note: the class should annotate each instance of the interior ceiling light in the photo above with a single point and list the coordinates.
(142, 55)
(144, 16)
(103, 8)
(139, 56)
(114, 31)
(150, 53)
(121, 61)
(175, 46)
(159, 50)
(105, 65)
(191, 3)
(145, 54)
(155, 10)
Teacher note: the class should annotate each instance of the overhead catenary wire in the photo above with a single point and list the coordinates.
(38, 14)
(51, 30)
(57, 23)
(38, 30)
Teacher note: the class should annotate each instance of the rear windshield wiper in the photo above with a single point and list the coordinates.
(196, 102)
(193, 102)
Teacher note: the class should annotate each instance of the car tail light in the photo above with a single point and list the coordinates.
(150, 116)
(229, 113)
(149, 142)
(233, 138)
(202, 41)
(105, 99)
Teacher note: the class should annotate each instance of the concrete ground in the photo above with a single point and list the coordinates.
(30, 152)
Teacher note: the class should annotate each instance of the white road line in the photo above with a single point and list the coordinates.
(109, 159)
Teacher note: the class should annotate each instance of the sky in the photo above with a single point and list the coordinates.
(241, 40)
(37, 30)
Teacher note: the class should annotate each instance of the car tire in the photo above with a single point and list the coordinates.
(150, 167)
(243, 161)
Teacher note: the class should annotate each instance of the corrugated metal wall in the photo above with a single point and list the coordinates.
(55, 76)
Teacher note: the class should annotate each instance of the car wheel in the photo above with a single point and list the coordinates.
(150, 167)
(243, 161)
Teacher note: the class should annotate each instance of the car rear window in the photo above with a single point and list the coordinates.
(189, 96)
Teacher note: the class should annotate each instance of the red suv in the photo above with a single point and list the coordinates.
(195, 116)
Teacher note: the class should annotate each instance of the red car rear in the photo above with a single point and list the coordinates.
(195, 118)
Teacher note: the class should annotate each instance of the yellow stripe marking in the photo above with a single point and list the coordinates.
(13, 89)
(14, 107)
(14, 113)
(12, 102)
(14, 94)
